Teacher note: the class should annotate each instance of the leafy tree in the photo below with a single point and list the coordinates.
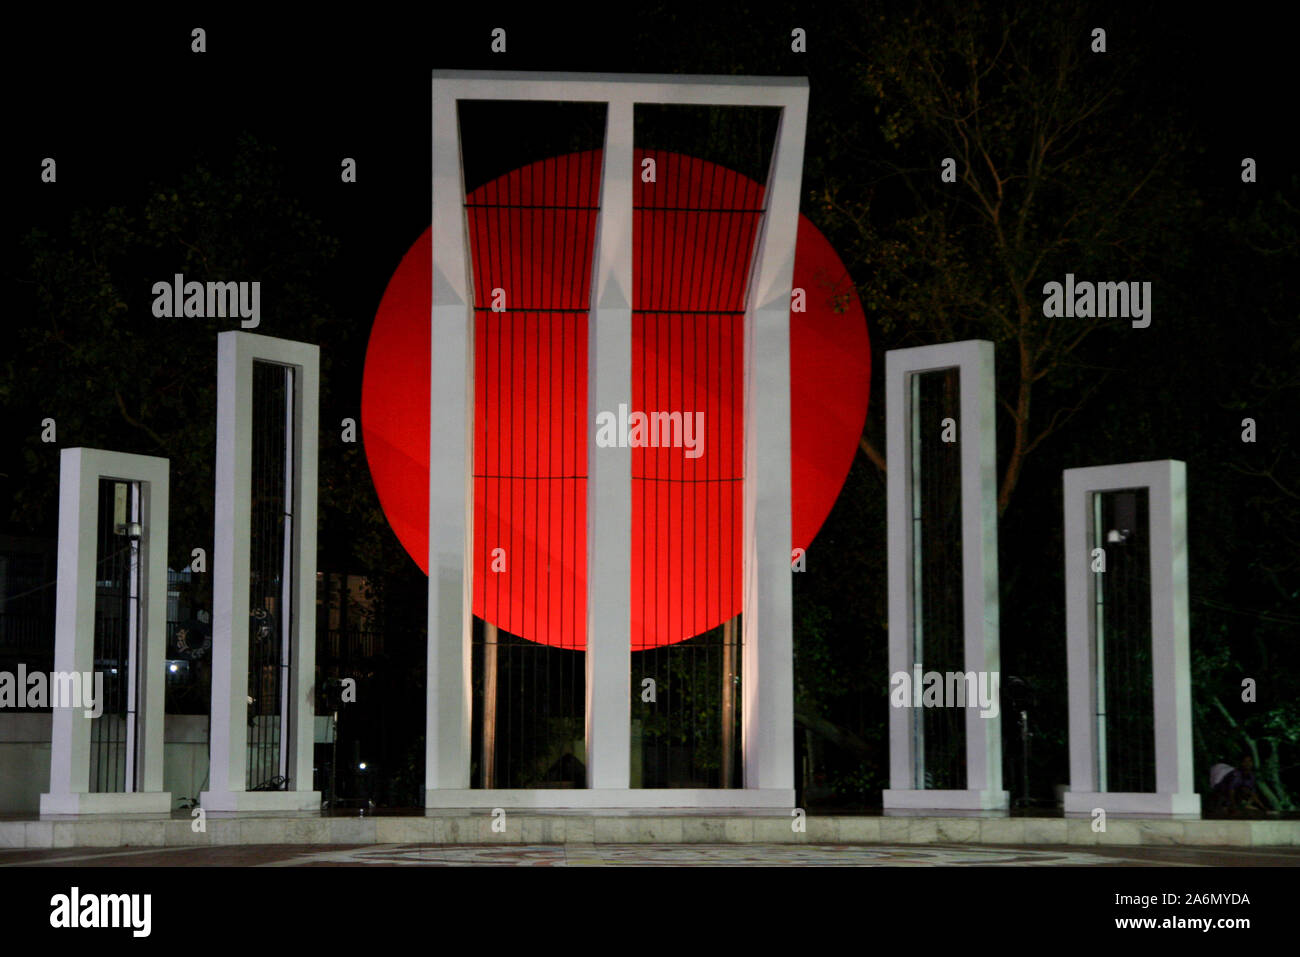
(1064, 163)
(93, 356)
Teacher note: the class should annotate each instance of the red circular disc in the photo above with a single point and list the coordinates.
(532, 424)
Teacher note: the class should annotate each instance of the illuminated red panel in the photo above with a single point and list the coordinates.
(531, 418)
(693, 236)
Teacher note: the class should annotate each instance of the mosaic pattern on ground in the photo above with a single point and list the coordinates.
(686, 855)
(649, 855)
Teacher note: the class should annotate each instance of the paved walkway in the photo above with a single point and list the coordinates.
(653, 855)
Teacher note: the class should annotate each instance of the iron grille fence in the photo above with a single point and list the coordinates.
(531, 212)
(1126, 724)
(694, 225)
(270, 574)
(531, 699)
(937, 569)
(351, 643)
(26, 635)
(113, 739)
(688, 734)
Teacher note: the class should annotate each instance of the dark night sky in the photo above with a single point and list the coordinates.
(120, 102)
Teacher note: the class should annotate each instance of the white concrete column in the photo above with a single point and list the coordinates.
(80, 470)
(979, 590)
(901, 607)
(609, 470)
(1080, 629)
(236, 353)
(979, 534)
(451, 457)
(1166, 485)
(767, 717)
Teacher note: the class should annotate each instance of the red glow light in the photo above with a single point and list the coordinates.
(531, 418)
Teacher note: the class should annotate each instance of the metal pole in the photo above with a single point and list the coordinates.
(728, 699)
(334, 759)
(286, 580)
(1024, 758)
(133, 649)
(489, 704)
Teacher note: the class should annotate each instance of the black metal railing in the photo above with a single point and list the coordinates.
(686, 712)
(938, 568)
(1123, 616)
(26, 634)
(114, 744)
(346, 644)
(530, 705)
(270, 591)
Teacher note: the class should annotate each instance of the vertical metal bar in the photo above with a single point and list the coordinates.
(132, 645)
(1099, 639)
(489, 745)
(97, 724)
(257, 571)
(917, 486)
(286, 578)
(728, 699)
(119, 657)
(97, 640)
(256, 534)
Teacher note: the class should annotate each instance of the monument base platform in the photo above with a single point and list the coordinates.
(104, 803)
(476, 826)
(650, 800)
(274, 802)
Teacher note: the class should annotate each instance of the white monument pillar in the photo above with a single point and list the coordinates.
(228, 788)
(768, 718)
(979, 586)
(451, 461)
(609, 470)
(80, 471)
(1166, 484)
(767, 625)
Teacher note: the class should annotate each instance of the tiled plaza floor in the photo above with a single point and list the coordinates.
(652, 855)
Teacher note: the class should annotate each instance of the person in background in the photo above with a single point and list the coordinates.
(1233, 789)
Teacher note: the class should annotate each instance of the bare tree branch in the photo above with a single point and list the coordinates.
(872, 453)
(162, 443)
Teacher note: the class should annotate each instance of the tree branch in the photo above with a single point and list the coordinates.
(137, 424)
(872, 453)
